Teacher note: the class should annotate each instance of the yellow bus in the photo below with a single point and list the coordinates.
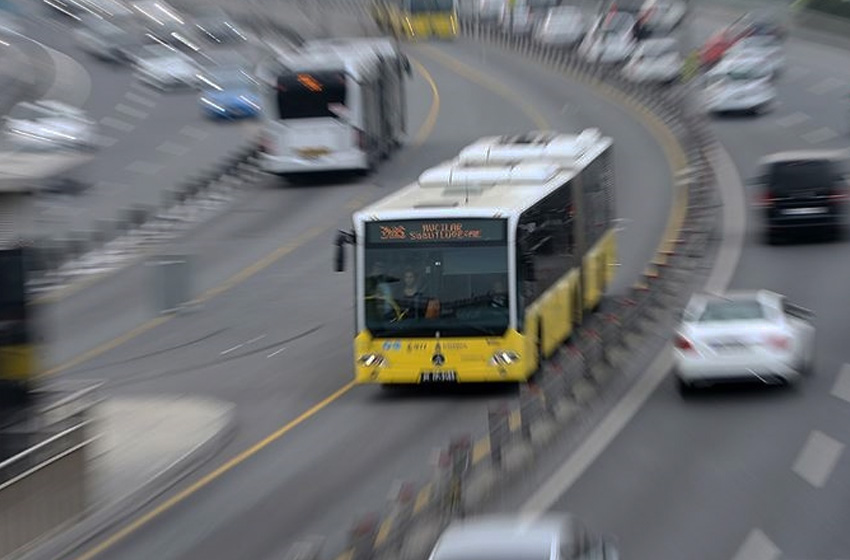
(482, 268)
(416, 19)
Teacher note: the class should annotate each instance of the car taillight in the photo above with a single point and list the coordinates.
(360, 138)
(839, 194)
(682, 343)
(779, 342)
(266, 145)
(765, 200)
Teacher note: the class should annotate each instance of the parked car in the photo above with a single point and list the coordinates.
(611, 39)
(49, 125)
(739, 84)
(105, 40)
(483, 11)
(767, 47)
(744, 336)
(713, 51)
(563, 26)
(801, 191)
(517, 20)
(551, 537)
(663, 16)
(655, 60)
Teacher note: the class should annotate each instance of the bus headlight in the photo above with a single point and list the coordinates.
(504, 358)
(371, 360)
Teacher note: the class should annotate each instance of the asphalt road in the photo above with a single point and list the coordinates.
(150, 141)
(279, 342)
(748, 474)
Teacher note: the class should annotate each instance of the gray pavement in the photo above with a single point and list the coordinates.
(143, 445)
(275, 348)
(744, 473)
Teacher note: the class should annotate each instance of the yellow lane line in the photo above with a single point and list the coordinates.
(384, 531)
(431, 118)
(480, 450)
(422, 499)
(473, 75)
(204, 481)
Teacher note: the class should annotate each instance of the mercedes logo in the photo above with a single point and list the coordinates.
(438, 360)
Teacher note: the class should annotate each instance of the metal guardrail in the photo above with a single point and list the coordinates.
(468, 469)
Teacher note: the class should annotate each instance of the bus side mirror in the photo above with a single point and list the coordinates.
(343, 238)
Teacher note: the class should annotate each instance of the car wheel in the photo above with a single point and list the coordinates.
(773, 237)
(686, 388)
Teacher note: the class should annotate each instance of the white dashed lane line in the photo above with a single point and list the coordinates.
(173, 148)
(140, 99)
(841, 389)
(825, 86)
(757, 546)
(117, 124)
(820, 135)
(131, 111)
(793, 119)
(194, 132)
(145, 167)
(818, 458)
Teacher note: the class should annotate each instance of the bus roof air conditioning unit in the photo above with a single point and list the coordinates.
(476, 179)
(561, 148)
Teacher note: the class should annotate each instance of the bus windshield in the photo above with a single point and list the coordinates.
(457, 287)
(310, 95)
(425, 6)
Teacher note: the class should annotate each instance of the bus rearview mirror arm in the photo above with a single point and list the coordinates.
(343, 238)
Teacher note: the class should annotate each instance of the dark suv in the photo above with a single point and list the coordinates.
(801, 191)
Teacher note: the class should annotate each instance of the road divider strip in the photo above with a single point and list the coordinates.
(467, 470)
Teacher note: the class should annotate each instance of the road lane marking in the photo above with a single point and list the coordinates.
(820, 135)
(240, 345)
(145, 167)
(793, 119)
(825, 86)
(117, 124)
(194, 132)
(276, 352)
(841, 389)
(425, 129)
(818, 458)
(757, 546)
(140, 99)
(207, 479)
(131, 111)
(146, 88)
(173, 148)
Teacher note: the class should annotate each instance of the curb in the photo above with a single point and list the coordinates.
(98, 520)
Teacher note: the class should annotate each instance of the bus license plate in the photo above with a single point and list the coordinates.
(438, 377)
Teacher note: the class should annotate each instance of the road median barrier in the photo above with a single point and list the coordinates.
(605, 347)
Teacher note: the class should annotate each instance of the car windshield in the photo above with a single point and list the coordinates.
(802, 175)
(657, 48)
(427, 277)
(732, 310)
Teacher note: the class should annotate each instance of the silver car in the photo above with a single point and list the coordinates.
(49, 125)
(552, 537)
(164, 67)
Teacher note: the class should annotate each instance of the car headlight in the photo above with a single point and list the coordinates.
(215, 106)
(504, 358)
(372, 360)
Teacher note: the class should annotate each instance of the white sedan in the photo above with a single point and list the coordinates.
(49, 125)
(563, 26)
(164, 67)
(739, 84)
(743, 336)
(654, 60)
(766, 47)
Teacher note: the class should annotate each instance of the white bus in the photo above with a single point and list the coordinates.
(479, 270)
(334, 105)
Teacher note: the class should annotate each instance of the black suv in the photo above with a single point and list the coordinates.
(805, 190)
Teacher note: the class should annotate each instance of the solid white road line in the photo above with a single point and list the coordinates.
(729, 252)
(140, 99)
(145, 167)
(817, 459)
(117, 124)
(131, 111)
(793, 119)
(825, 86)
(841, 389)
(757, 546)
(819, 135)
(276, 352)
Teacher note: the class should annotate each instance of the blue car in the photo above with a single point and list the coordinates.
(230, 94)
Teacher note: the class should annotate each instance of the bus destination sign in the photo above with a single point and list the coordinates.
(424, 231)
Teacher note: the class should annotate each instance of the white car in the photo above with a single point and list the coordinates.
(50, 125)
(552, 537)
(655, 60)
(662, 16)
(517, 20)
(766, 47)
(739, 84)
(484, 11)
(107, 41)
(164, 67)
(743, 336)
(563, 26)
(611, 40)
